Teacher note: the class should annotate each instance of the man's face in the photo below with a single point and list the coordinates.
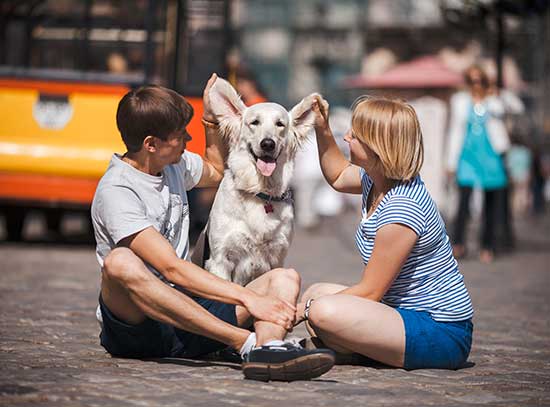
(171, 149)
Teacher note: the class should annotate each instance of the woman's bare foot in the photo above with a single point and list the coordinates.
(486, 256)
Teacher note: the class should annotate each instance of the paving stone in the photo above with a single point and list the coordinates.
(50, 353)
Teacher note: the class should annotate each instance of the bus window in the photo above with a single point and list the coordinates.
(107, 40)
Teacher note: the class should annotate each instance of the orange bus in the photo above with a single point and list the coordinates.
(64, 65)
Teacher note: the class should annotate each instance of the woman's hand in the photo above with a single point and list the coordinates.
(451, 176)
(320, 109)
(208, 114)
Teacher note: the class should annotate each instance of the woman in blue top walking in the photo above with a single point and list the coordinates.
(410, 308)
(477, 139)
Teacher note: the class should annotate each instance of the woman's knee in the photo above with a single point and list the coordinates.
(319, 289)
(323, 313)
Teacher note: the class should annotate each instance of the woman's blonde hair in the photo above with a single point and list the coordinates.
(390, 128)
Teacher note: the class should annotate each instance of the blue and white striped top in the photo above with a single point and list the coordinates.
(429, 280)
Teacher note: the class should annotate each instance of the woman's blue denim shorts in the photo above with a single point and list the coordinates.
(430, 344)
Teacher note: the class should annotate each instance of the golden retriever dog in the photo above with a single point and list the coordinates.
(251, 222)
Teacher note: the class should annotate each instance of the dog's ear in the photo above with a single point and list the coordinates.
(302, 118)
(227, 106)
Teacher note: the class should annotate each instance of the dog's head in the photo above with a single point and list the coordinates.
(262, 138)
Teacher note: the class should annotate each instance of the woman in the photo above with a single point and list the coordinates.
(477, 138)
(410, 308)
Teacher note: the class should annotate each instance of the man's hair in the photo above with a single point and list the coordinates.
(151, 111)
(390, 128)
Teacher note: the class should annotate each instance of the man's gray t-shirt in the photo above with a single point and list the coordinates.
(128, 201)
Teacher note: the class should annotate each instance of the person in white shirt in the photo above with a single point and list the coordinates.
(154, 302)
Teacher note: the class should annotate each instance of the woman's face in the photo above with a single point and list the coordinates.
(475, 79)
(360, 154)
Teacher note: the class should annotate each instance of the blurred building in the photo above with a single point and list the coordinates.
(311, 45)
(325, 45)
(64, 65)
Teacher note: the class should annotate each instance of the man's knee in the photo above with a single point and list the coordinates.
(121, 264)
(286, 277)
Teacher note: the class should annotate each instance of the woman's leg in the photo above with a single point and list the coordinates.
(347, 323)
(318, 290)
(506, 218)
(490, 214)
(461, 220)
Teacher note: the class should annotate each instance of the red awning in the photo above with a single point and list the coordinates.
(423, 72)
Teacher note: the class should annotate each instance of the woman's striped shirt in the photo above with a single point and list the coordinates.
(429, 280)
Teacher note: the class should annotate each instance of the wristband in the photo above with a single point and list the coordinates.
(306, 309)
(210, 124)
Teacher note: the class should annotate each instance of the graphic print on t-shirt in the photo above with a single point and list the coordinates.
(175, 214)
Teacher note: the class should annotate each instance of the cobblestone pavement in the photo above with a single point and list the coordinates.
(50, 356)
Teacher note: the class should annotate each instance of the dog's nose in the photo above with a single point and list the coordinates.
(267, 144)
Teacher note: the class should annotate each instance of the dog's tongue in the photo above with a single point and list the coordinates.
(265, 168)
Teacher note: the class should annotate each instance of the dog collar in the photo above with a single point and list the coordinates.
(268, 206)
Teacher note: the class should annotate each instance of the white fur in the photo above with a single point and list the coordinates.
(244, 240)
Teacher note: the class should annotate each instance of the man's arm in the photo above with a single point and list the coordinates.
(215, 152)
(213, 161)
(155, 250)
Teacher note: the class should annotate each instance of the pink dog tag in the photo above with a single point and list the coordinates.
(268, 207)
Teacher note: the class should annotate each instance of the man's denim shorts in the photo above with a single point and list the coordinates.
(153, 339)
(435, 345)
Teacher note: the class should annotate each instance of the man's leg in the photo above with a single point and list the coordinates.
(140, 293)
(274, 359)
(280, 283)
(132, 292)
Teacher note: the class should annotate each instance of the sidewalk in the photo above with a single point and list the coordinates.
(50, 353)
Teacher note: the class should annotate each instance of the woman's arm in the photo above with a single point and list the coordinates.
(458, 107)
(337, 170)
(392, 246)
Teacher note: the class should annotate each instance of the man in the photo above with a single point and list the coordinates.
(154, 302)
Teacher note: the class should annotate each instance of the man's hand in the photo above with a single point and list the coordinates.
(271, 309)
(208, 114)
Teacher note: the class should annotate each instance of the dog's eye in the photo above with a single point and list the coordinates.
(280, 124)
(255, 122)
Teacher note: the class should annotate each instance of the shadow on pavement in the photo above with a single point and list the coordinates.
(530, 246)
(83, 241)
(194, 362)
